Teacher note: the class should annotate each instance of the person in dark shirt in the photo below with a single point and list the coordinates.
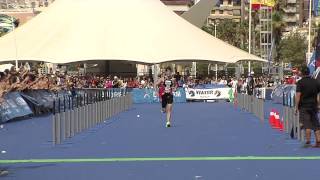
(307, 105)
(250, 85)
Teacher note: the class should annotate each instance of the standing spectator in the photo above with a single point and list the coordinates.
(307, 105)
(177, 76)
(250, 84)
(116, 82)
(108, 83)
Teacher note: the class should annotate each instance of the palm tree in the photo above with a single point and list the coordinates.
(278, 26)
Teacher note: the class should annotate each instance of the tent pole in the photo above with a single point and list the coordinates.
(250, 19)
(216, 72)
(15, 42)
(309, 32)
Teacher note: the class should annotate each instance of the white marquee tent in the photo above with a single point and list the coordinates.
(133, 30)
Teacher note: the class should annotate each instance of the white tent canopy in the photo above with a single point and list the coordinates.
(133, 30)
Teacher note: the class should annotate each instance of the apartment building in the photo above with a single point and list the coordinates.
(225, 9)
(179, 6)
(292, 14)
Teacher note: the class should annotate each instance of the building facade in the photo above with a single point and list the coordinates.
(179, 6)
(292, 14)
(225, 9)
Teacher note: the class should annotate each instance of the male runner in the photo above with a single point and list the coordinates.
(166, 88)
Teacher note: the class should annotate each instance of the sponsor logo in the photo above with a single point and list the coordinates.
(217, 93)
(192, 93)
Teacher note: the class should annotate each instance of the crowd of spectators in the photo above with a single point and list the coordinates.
(26, 79)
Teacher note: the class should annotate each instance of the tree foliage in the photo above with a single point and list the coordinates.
(231, 32)
(293, 48)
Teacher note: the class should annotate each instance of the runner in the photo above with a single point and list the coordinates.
(166, 87)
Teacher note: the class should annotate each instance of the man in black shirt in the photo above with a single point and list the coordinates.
(250, 85)
(307, 104)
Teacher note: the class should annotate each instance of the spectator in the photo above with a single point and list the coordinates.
(116, 83)
(108, 83)
(307, 106)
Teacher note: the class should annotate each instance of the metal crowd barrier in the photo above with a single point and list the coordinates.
(291, 123)
(84, 111)
(251, 104)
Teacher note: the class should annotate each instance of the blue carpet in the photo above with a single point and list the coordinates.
(199, 129)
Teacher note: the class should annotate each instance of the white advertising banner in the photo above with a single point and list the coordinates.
(202, 94)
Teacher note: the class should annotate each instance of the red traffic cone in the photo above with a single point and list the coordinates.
(271, 117)
(277, 124)
(281, 124)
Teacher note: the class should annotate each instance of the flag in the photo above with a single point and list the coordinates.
(317, 51)
(315, 7)
(256, 4)
(270, 3)
(312, 63)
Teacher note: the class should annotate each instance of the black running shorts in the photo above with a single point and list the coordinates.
(167, 98)
(309, 119)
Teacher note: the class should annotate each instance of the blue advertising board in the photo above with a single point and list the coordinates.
(13, 106)
(151, 96)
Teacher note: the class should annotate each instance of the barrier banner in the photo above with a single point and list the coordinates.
(288, 90)
(208, 94)
(151, 96)
(40, 98)
(13, 106)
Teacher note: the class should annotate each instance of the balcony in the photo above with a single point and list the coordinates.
(290, 10)
(291, 1)
(290, 19)
(226, 8)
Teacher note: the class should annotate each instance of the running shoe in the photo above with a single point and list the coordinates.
(307, 145)
(168, 124)
(3, 173)
(163, 110)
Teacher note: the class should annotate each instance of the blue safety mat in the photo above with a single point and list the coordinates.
(199, 130)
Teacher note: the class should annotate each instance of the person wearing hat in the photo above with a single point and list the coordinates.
(307, 105)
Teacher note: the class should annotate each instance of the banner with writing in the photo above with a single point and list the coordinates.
(207, 94)
(151, 96)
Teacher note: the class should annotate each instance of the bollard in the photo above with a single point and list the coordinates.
(54, 125)
(87, 107)
(112, 107)
(293, 123)
(76, 120)
(262, 110)
(84, 117)
(94, 121)
(72, 119)
(68, 120)
(66, 124)
(84, 112)
(59, 123)
(109, 108)
(95, 106)
(62, 126)
(104, 109)
(89, 116)
(285, 119)
(299, 134)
